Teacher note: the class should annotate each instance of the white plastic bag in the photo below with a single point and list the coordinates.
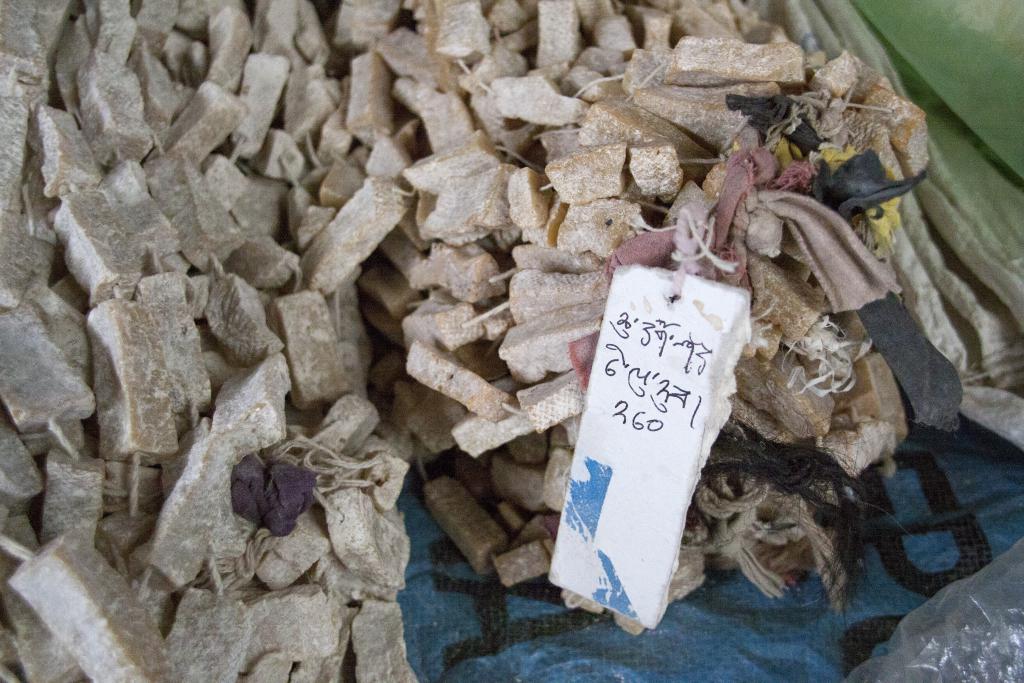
(971, 630)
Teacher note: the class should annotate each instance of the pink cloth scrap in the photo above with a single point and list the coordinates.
(745, 170)
(652, 249)
(581, 355)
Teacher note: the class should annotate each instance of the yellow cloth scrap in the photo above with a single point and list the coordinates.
(884, 224)
(786, 153)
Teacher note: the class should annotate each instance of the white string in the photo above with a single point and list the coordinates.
(603, 79)
(313, 155)
(62, 439)
(240, 139)
(512, 409)
(494, 279)
(158, 144)
(870, 107)
(707, 162)
(27, 201)
(142, 591)
(215, 575)
(296, 276)
(639, 223)
(483, 86)
(647, 79)
(7, 676)
(703, 247)
(333, 470)
(133, 485)
(487, 314)
(518, 157)
(15, 549)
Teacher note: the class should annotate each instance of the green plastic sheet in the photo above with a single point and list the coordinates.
(971, 53)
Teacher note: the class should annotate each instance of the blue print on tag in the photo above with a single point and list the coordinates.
(586, 498)
(613, 595)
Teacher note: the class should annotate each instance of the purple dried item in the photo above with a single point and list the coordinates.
(247, 489)
(289, 494)
(271, 497)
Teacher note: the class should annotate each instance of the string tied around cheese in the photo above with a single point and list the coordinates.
(778, 116)
(828, 500)
(733, 511)
(226, 575)
(334, 471)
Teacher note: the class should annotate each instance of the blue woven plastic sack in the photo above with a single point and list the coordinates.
(954, 503)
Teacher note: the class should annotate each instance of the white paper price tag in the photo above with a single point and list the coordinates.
(658, 396)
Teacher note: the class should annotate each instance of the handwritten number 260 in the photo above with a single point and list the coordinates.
(635, 422)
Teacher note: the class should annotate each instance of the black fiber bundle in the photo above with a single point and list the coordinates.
(764, 112)
(809, 474)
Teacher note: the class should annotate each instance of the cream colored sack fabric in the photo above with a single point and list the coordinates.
(960, 254)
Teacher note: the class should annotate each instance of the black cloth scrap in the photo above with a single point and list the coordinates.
(929, 380)
(859, 184)
(764, 112)
(272, 497)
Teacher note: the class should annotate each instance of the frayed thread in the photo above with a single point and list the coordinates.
(826, 347)
(694, 230)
